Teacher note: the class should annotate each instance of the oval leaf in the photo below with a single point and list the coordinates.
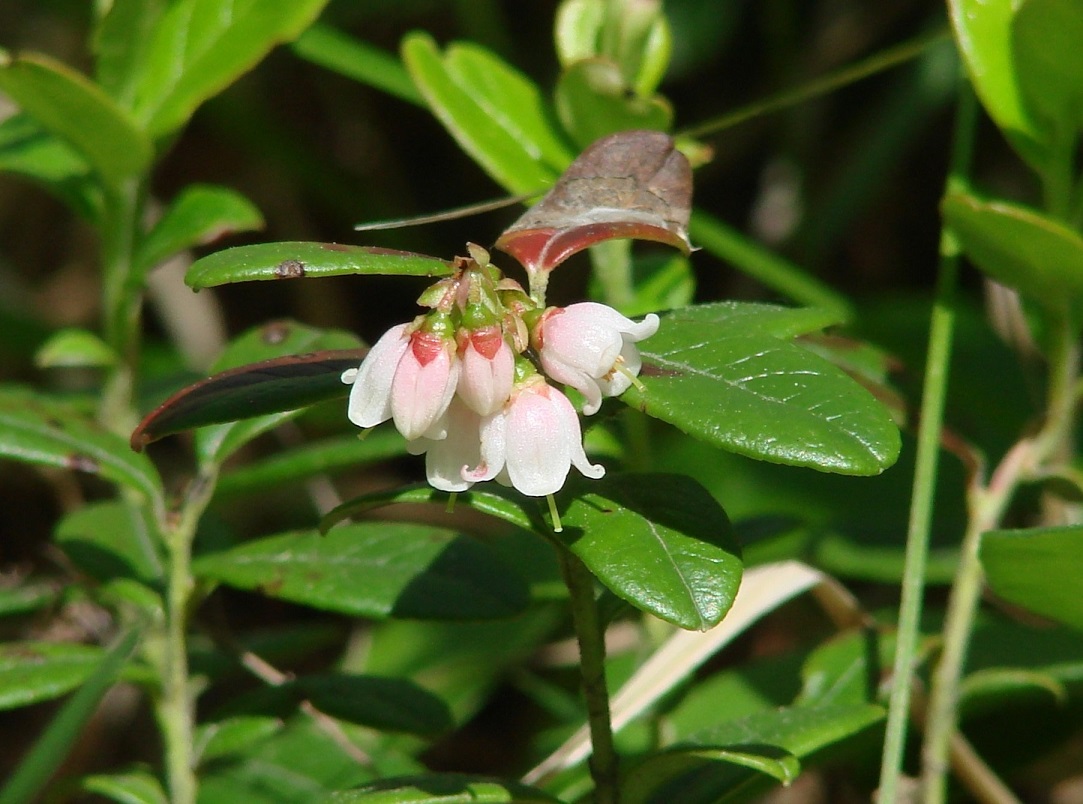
(298, 260)
(718, 373)
(633, 184)
(442, 788)
(277, 341)
(40, 671)
(199, 215)
(1048, 61)
(1038, 569)
(661, 542)
(35, 430)
(199, 48)
(375, 569)
(1019, 247)
(27, 149)
(387, 704)
(593, 101)
(111, 539)
(983, 31)
(71, 107)
(137, 787)
(494, 112)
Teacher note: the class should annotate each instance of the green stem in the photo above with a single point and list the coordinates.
(591, 636)
(1028, 458)
(924, 489)
(175, 705)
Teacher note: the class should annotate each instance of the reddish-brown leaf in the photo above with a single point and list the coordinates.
(632, 184)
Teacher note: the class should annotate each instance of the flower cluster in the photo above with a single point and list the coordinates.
(463, 386)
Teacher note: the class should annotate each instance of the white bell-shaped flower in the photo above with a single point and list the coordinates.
(488, 369)
(370, 397)
(591, 347)
(533, 442)
(447, 458)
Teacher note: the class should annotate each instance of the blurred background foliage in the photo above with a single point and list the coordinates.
(846, 185)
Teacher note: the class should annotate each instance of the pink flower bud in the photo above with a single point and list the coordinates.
(488, 370)
(591, 347)
(533, 443)
(423, 385)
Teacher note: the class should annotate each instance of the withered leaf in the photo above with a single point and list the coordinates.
(256, 389)
(632, 184)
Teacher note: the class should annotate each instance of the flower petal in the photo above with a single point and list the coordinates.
(370, 397)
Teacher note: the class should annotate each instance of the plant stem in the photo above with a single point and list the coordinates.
(924, 489)
(591, 637)
(175, 704)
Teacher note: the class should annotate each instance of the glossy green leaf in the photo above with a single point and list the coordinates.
(983, 31)
(795, 732)
(375, 569)
(328, 457)
(298, 260)
(68, 105)
(660, 542)
(109, 540)
(216, 443)
(593, 101)
(724, 374)
(387, 704)
(442, 788)
(330, 48)
(134, 787)
(233, 735)
(36, 430)
(495, 113)
(1048, 61)
(985, 689)
(75, 348)
(199, 215)
(27, 149)
(1038, 569)
(847, 669)
(197, 51)
(40, 671)
(1019, 247)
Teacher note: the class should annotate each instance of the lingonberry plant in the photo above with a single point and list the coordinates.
(442, 568)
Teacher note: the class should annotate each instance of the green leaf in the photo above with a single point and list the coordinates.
(1019, 247)
(52, 747)
(73, 347)
(1038, 569)
(28, 596)
(199, 48)
(983, 31)
(353, 58)
(36, 430)
(297, 260)
(267, 387)
(40, 671)
(375, 569)
(216, 443)
(495, 113)
(660, 542)
(199, 215)
(1048, 61)
(847, 668)
(593, 101)
(134, 787)
(233, 735)
(723, 374)
(29, 150)
(327, 457)
(387, 704)
(299, 763)
(65, 103)
(442, 788)
(663, 766)
(120, 42)
(110, 540)
(783, 734)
